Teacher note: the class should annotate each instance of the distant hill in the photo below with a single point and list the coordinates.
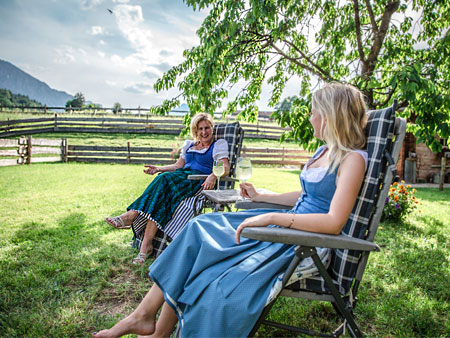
(19, 82)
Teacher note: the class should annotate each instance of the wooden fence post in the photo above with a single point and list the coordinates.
(56, 123)
(64, 150)
(22, 144)
(128, 152)
(29, 148)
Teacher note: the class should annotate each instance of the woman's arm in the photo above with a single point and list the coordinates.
(289, 198)
(152, 169)
(349, 183)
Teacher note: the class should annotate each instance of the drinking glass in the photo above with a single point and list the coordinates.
(218, 170)
(243, 170)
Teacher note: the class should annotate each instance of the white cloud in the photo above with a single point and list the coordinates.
(64, 55)
(89, 4)
(96, 30)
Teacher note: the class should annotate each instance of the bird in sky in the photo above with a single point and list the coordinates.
(110, 11)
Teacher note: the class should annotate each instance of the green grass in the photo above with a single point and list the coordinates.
(65, 273)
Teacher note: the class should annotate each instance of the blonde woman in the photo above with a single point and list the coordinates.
(159, 201)
(215, 284)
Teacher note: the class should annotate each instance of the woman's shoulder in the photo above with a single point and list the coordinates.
(358, 155)
(221, 142)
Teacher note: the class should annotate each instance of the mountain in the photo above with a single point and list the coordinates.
(19, 82)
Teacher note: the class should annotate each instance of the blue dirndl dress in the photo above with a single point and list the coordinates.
(218, 288)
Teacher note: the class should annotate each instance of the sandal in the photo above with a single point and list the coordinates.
(140, 258)
(117, 222)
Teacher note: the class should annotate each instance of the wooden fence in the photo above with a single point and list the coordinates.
(278, 156)
(151, 125)
(29, 150)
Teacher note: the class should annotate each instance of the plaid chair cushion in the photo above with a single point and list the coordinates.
(342, 269)
(233, 134)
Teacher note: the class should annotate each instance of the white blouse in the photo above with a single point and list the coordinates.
(220, 149)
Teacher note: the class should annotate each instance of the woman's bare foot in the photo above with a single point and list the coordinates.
(132, 324)
(123, 221)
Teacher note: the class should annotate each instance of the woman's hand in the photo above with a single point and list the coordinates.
(151, 169)
(210, 182)
(248, 191)
(255, 221)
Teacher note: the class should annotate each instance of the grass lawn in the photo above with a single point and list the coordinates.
(65, 273)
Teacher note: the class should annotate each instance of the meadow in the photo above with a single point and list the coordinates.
(66, 273)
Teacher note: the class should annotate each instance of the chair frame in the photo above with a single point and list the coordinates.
(307, 242)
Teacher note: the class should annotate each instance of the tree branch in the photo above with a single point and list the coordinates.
(298, 63)
(372, 17)
(304, 56)
(378, 40)
(358, 35)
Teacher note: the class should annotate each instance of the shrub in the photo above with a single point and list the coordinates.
(400, 202)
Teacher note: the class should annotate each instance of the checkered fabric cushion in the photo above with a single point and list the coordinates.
(342, 269)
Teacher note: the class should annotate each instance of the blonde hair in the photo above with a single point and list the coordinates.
(197, 119)
(343, 112)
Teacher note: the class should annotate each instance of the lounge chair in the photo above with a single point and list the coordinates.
(350, 250)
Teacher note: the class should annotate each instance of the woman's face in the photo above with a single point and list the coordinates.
(204, 132)
(316, 121)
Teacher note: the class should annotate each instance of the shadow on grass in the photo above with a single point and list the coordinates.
(72, 272)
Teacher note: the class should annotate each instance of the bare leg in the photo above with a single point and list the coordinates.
(165, 324)
(146, 246)
(150, 232)
(142, 321)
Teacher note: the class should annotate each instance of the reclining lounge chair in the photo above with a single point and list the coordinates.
(339, 282)
(233, 133)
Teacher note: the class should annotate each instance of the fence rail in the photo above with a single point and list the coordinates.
(26, 150)
(29, 150)
(151, 125)
(279, 156)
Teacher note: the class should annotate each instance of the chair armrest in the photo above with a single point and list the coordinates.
(248, 204)
(310, 239)
(203, 177)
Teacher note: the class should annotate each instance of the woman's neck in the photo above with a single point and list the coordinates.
(201, 144)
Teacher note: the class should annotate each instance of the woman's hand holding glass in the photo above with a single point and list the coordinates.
(248, 191)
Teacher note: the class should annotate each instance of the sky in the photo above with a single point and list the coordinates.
(80, 46)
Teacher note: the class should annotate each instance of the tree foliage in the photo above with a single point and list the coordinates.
(77, 102)
(8, 99)
(389, 49)
(117, 108)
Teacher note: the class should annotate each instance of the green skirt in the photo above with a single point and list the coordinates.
(163, 195)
